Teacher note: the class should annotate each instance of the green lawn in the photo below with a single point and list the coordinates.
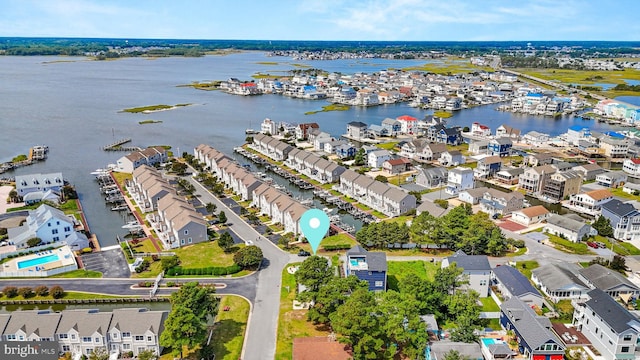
(399, 219)
(145, 246)
(520, 251)
(228, 332)
(387, 145)
(80, 273)
(618, 192)
(489, 305)
(565, 310)
(292, 323)
(338, 239)
(121, 177)
(619, 247)
(204, 255)
(569, 246)
(398, 270)
(525, 267)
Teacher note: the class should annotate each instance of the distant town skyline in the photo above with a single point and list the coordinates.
(383, 20)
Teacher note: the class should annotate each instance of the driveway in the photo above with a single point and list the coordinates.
(111, 263)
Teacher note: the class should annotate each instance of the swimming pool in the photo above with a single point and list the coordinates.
(491, 341)
(38, 261)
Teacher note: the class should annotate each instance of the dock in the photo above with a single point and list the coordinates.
(36, 153)
(117, 146)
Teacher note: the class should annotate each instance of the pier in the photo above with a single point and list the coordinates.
(117, 146)
(36, 153)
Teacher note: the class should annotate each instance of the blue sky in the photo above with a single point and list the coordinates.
(408, 20)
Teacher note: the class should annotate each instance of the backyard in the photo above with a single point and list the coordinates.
(398, 270)
(229, 328)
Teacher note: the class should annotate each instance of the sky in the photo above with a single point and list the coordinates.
(359, 20)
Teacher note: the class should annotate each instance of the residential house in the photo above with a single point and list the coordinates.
(433, 209)
(512, 283)
(431, 151)
(611, 179)
(533, 180)
(631, 188)
(368, 266)
(476, 269)
(150, 156)
(480, 130)
(576, 133)
(561, 185)
(83, 331)
(397, 202)
(508, 131)
(26, 184)
(392, 126)
(570, 226)
(292, 218)
(562, 166)
(590, 202)
(347, 180)
(438, 350)
(538, 159)
(478, 147)
(269, 127)
(487, 167)
(257, 193)
(451, 158)
(535, 138)
(41, 196)
(181, 225)
(136, 330)
(32, 325)
(328, 172)
(357, 130)
(624, 218)
(614, 147)
(610, 328)
(472, 196)
(459, 179)
(536, 339)
(589, 171)
(509, 176)
(301, 131)
(408, 124)
(47, 223)
(246, 186)
(345, 150)
(320, 139)
(631, 166)
(361, 184)
(611, 282)
(500, 147)
(396, 166)
(559, 281)
(531, 215)
(377, 157)
(412, 149)
(502, 203)
(449, 136)
(431, 177)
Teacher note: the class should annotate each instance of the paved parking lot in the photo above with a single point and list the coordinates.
(110, 263)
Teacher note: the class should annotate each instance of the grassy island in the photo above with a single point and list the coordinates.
(153, 108)
(204, 85)
(330, 107)
(19, 158)
(443, 114)
(149, 122)
(267, 63)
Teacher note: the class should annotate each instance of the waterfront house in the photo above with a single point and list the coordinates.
(512, 283)
(150, 156)
(411, 149)
(408, 124)
(561, 185)
(292, 218)
(570, 226)
(320, 139)
(500, 147)
(531, 215)
(631, 166)
(459, 179)
(41, 196)
(431, 151)
(450, 136)
(507, 131)
(180, 223)
(357, 130)
(375, 195)
(47, 223)
(509, 176)
(392, 126)
(611, 282)
(256, 195)
(475, 268)
(487, 167)
(396, 166)
(480, 130)
(269, 127)
(535, 138)
(614, 147)
(589, 202)
(278, 208)
(611, 179)
(360, 185)
(347, 150)
(502, 203)
(29, 183)
(31, 325)
(377, 157)
(538, 159)
(332, 146)
(328, 171)
(624, 218)
(397, 202)
(82, 331)
(308, 165)
(212, 159)
(347, 179)
(561, 166)
(589, 171)
(536, 339)
(369, 266)
(610, 328)
(451, 158)
(267, 198)
(301, 131)
(559, 281)
(532, 180)
(136, 330)
(246, 186)
(576, 133)
(432, 177)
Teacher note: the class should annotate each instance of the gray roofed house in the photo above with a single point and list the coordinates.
(33, 325)
(512, 282)
(84, 324)
(369, 266)
(589, 171)
(609, 281)
(432, 177)
(347, 179)
(560, 281)
(437, 350)
(4, 320)
(433, 209)
(137, 322)
(397, 202)
(475, 267)
(571, 226)
(45, 222)
(38, 182)
(472, 196)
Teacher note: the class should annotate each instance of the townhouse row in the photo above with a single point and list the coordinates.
(382, 197)
(81, 332)
(174, 219)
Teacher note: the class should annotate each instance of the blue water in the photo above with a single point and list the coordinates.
(634, 100)
(490, 341)
(604, 86)
(632, 82)
(38, 261)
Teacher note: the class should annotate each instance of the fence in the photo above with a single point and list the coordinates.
(31, 250)
(44, 273)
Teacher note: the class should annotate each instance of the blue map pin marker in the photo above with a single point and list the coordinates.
(314, 224)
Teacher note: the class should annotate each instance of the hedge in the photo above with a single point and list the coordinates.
(337, 247)
(216, 271)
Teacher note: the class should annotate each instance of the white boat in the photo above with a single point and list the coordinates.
(119, 207)
(250, 131)
(132, 225)
(99, 172)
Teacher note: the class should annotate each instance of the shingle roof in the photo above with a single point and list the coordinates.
(44, 324)
(559, 277)
(514, 281)
(470, 262)
(599, 194)
(376, 260)
(616, 316)
(618, 208)
(533, 331)
(85, 322)
(534, 211)
(605, 279)
(565, 222)
(138, 321)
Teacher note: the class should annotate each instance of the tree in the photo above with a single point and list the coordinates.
(313, 273)
(211, 208)
(13, 195)
(10, 291)
(618, 263)
(248, 256)
(429, 298)
(382, 179)
(179, 167)
(331, 295)
(168, 262)
(448, 279)
(225, 241)
(603, 226)
(454, 355)
(222, 217)
(33, 242)
(200, 299)
(402, 325)
(147, 354)
(41, 290)
(359, 158)
(425, 229)
(99, 353)
(57, 292)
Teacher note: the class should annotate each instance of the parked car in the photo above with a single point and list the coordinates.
(592, 244)
(303, 253)
(601, 244)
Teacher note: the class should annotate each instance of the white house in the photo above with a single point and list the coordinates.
(530, 215)
(376, 158)
(459, 179)
(631, 166)
(269, 127)
(39, 183)
(590, 202)
(476, 269)
(48, 224)
(149, 156)
(559, 281)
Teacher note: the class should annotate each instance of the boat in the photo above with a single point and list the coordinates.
(250, 131)
(132, 225)
(119, 207)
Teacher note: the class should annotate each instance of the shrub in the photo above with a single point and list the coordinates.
(168, 262)
(336, 247)
(170, 284)
(155, 257)
(442, 203)
(10, 291)
(42, 290)
(26, 292)
(56, 291)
